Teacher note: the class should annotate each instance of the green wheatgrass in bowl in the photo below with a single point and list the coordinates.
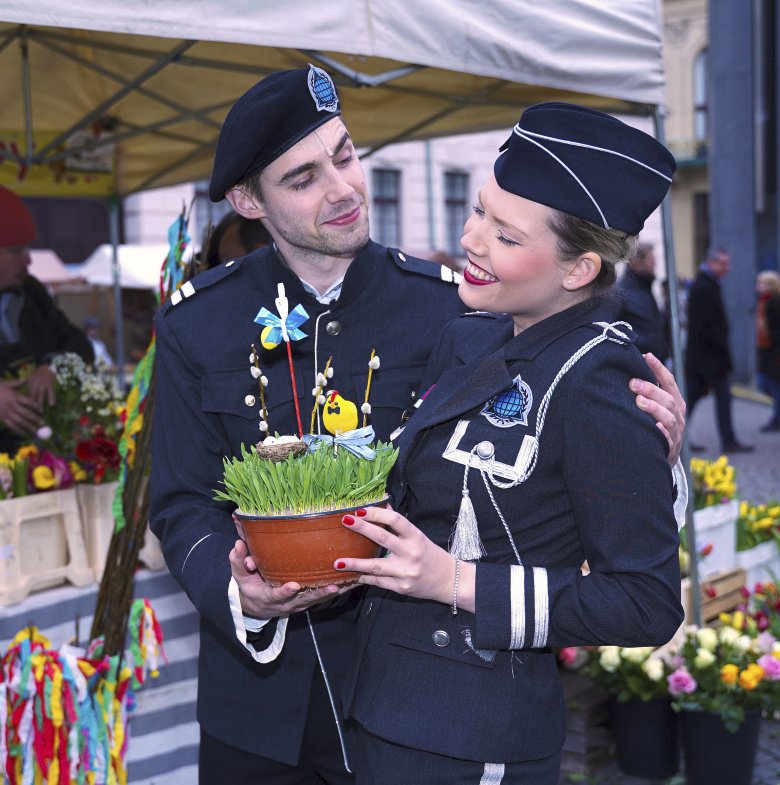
(314, 482)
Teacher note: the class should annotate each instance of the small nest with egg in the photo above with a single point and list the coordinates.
(280, 452)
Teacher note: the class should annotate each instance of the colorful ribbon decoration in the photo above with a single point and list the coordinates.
(290, 324)
(356, 441)
(64, 713)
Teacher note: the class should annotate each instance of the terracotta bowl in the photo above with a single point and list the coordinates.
(302, 548)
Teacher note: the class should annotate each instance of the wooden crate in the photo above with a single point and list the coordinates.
(588, 735)
(41, 544)
(720, 593)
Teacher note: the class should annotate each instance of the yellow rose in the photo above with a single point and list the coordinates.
(79, 475)
(43, 478)
(729, 673)
(708, 638)
(704, 658)
(750, 678)
(25, 452)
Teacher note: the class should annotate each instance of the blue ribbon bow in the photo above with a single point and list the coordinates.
(356, 441)
(294, 320)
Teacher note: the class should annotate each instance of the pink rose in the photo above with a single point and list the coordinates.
(771, 666)
(568, 655)
(681, 682)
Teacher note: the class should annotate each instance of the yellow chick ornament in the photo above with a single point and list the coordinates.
(338, 414)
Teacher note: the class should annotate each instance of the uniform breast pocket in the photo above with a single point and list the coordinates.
(393, 392)
(432, 629)
(232, 395)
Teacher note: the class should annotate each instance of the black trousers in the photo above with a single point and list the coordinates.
(697, 389)
(320, 763)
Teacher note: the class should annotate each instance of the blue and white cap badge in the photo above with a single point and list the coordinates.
(322, 90)
(510, 407)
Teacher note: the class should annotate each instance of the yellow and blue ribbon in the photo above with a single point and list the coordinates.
(291, 323)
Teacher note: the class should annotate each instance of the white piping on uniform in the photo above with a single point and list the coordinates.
(184, 563)
(330, 694)
(541, 607)
(593, 147)
(517, 606)
(493, 774)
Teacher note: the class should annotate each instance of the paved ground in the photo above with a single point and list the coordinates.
(758, 472)
(758, 479)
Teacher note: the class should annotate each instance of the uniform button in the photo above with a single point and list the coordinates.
(401, 257)
(441, 638)
(249, 400)
(230, 263)
(369, 609)
(333, 328)
(486, 450)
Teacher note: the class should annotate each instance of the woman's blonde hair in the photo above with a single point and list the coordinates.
(576, 236)
(770, 279)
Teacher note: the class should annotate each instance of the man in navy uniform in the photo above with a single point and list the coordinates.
(270, 669)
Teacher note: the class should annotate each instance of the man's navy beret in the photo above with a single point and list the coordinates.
(267, 121)
(585, 163)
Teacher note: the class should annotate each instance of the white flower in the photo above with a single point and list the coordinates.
(315, 391)
(374, 363)
(653, 668)
(263, 426)
(329, 374)
(264, 381)
(707, 638)
(742, 643)
(636, 654)
(609, 659)
(704, 658)
(44, 432)
(252, 357)
(321, 381)
(321, 400)
(255, 371)
(366, 408)
(728, 635)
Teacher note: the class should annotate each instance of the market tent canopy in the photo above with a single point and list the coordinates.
(94, 87)
(139, 266)
(49, 269)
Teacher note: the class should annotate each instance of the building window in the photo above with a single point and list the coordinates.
(456, 207)
(700, 80)
(386, 220)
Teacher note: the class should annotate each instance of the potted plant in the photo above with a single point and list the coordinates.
(290, 502)
(721, 682)
(715, 513)
(758, 541)
(645, 727)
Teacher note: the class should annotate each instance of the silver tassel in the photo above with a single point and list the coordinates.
(465, 542)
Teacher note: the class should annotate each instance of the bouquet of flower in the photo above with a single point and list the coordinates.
(85, 423)
(626, 673)
(713, 482)
(725, 672)
(757, 523)
(759, 613)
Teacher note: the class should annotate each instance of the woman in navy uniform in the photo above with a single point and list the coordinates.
(527, 457)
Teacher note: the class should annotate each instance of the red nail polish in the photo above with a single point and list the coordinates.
(361, 513)
(340, 565)
(348, 520)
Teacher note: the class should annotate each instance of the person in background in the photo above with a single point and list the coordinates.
(707, 355)
(33, 330)
(768, 342)
(638, 304)
(92, 330)
(233, 237)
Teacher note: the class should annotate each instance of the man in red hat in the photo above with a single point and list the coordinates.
(32, 328)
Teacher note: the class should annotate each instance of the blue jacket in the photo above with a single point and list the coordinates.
(395, 304)
(484, 687)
